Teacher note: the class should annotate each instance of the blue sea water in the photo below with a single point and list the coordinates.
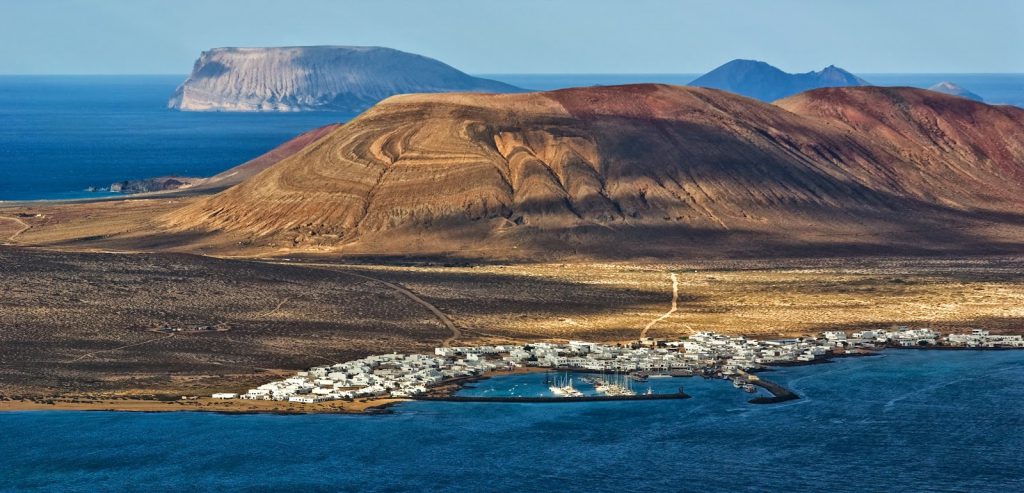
(62, 134)
(914, 421)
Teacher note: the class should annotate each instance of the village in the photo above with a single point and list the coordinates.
(703, 353)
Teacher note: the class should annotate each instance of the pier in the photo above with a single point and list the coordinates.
(779, 393)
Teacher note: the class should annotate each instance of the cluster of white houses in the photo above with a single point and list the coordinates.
(394, 375)
(982, 338)
(907, 337)
(406, 375)
(580, 355)
(732, 353)
(901, 336)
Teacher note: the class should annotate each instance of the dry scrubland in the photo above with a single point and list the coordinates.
(784, 297)
(78, 324)
(74, 322)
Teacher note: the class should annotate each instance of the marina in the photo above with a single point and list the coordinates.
(898, 405)
(609, 372)
(556, 399)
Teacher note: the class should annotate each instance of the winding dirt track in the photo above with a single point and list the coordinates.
(122, 347)
(276, 308)
(675, 306)
(441, 317)
(24, 227)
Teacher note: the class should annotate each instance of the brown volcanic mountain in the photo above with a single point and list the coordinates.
(640, 170)
(253, 166)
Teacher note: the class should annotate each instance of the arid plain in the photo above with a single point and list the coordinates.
(89, 325)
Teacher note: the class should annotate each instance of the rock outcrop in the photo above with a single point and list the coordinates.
(315, 78)
(161, 184)
(762, 81)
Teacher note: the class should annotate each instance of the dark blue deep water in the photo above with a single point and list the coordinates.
(905, 421)
(62, 134)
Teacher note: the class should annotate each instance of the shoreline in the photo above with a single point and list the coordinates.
(193, 190)
(373, 405)
(444, 391)
(206, 404)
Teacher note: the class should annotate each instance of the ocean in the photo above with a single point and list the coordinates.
(907, 420)
(60, 135)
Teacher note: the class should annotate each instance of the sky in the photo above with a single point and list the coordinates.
(525, 36)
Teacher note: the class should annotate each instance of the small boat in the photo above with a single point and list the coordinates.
(616, 385)
(563, 388)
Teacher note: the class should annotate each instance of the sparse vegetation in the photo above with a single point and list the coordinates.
(81, 325)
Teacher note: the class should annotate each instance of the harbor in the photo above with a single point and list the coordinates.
(556, 399)
(613, 372)
(702, 436)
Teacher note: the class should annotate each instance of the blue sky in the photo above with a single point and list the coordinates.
(524, 36)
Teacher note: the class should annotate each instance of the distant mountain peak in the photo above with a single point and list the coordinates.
(953, 89)
(760, 80)
(319, 78)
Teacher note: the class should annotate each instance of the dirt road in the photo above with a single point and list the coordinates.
(23, 228)
(88, 355)
(441, 317)
(675, 303)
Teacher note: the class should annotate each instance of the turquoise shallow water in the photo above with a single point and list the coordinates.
(903, 421)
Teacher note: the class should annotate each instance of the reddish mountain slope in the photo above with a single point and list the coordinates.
(250, 168)
(636, 170)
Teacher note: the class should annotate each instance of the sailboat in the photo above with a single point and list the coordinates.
(615, 385)
(562, 387)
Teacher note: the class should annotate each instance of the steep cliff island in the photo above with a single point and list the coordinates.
(315, 78)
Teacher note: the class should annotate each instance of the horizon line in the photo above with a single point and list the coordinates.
(138, 74)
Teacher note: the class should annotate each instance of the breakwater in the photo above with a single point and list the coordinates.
(779, 393)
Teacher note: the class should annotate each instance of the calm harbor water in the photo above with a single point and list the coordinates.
(62, 134)
(903, 421)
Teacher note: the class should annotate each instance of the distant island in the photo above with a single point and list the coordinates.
(953, 89)
(760, 80)
(315, 78)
